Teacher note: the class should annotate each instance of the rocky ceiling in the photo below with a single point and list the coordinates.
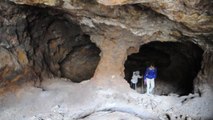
(119, 27)
(166, 20)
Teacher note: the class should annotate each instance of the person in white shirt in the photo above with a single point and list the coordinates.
(134, 80)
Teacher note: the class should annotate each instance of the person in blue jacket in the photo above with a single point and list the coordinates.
(149, 78)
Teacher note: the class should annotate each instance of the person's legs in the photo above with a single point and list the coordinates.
(147, 85)
(152, 82)
(133, 86)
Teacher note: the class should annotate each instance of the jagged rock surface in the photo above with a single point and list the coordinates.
(122, 25)
(34, 44)
(195, 14)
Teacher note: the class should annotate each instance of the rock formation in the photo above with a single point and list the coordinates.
(38, 42)
(39, 37)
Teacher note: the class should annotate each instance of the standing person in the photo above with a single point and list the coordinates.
(134, 79)
(149, 78)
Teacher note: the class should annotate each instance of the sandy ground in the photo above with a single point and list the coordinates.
(64, 100)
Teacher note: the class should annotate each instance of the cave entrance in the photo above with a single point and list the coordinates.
(58, 46)
(177, 65)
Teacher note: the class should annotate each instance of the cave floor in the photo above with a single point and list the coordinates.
(63, 100)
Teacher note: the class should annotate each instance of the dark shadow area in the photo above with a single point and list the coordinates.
(40, 42)
(177, 65)
(59, 46)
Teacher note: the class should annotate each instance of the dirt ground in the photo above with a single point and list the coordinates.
(63, 100)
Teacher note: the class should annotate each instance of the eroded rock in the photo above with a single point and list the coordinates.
(113, 28)
(81, 63)
(34, 42)
(196, 15)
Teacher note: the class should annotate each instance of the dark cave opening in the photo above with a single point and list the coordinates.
(177, 63)
(44, 42)
(60, 47)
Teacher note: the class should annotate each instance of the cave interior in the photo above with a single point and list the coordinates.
(75, 59)
(53, 45)
(177, 63)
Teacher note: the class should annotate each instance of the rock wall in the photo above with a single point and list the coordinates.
(38, 42)
(13, 45)
(204, 77)
(115, 26)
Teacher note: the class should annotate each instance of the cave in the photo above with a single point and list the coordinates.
(177, 63)
(74, 59)
(45, 43)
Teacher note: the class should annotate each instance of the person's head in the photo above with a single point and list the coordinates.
(136, 73)
(152, 66)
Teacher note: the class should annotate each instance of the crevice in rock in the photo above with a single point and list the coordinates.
(109, 111)
(178, 65)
